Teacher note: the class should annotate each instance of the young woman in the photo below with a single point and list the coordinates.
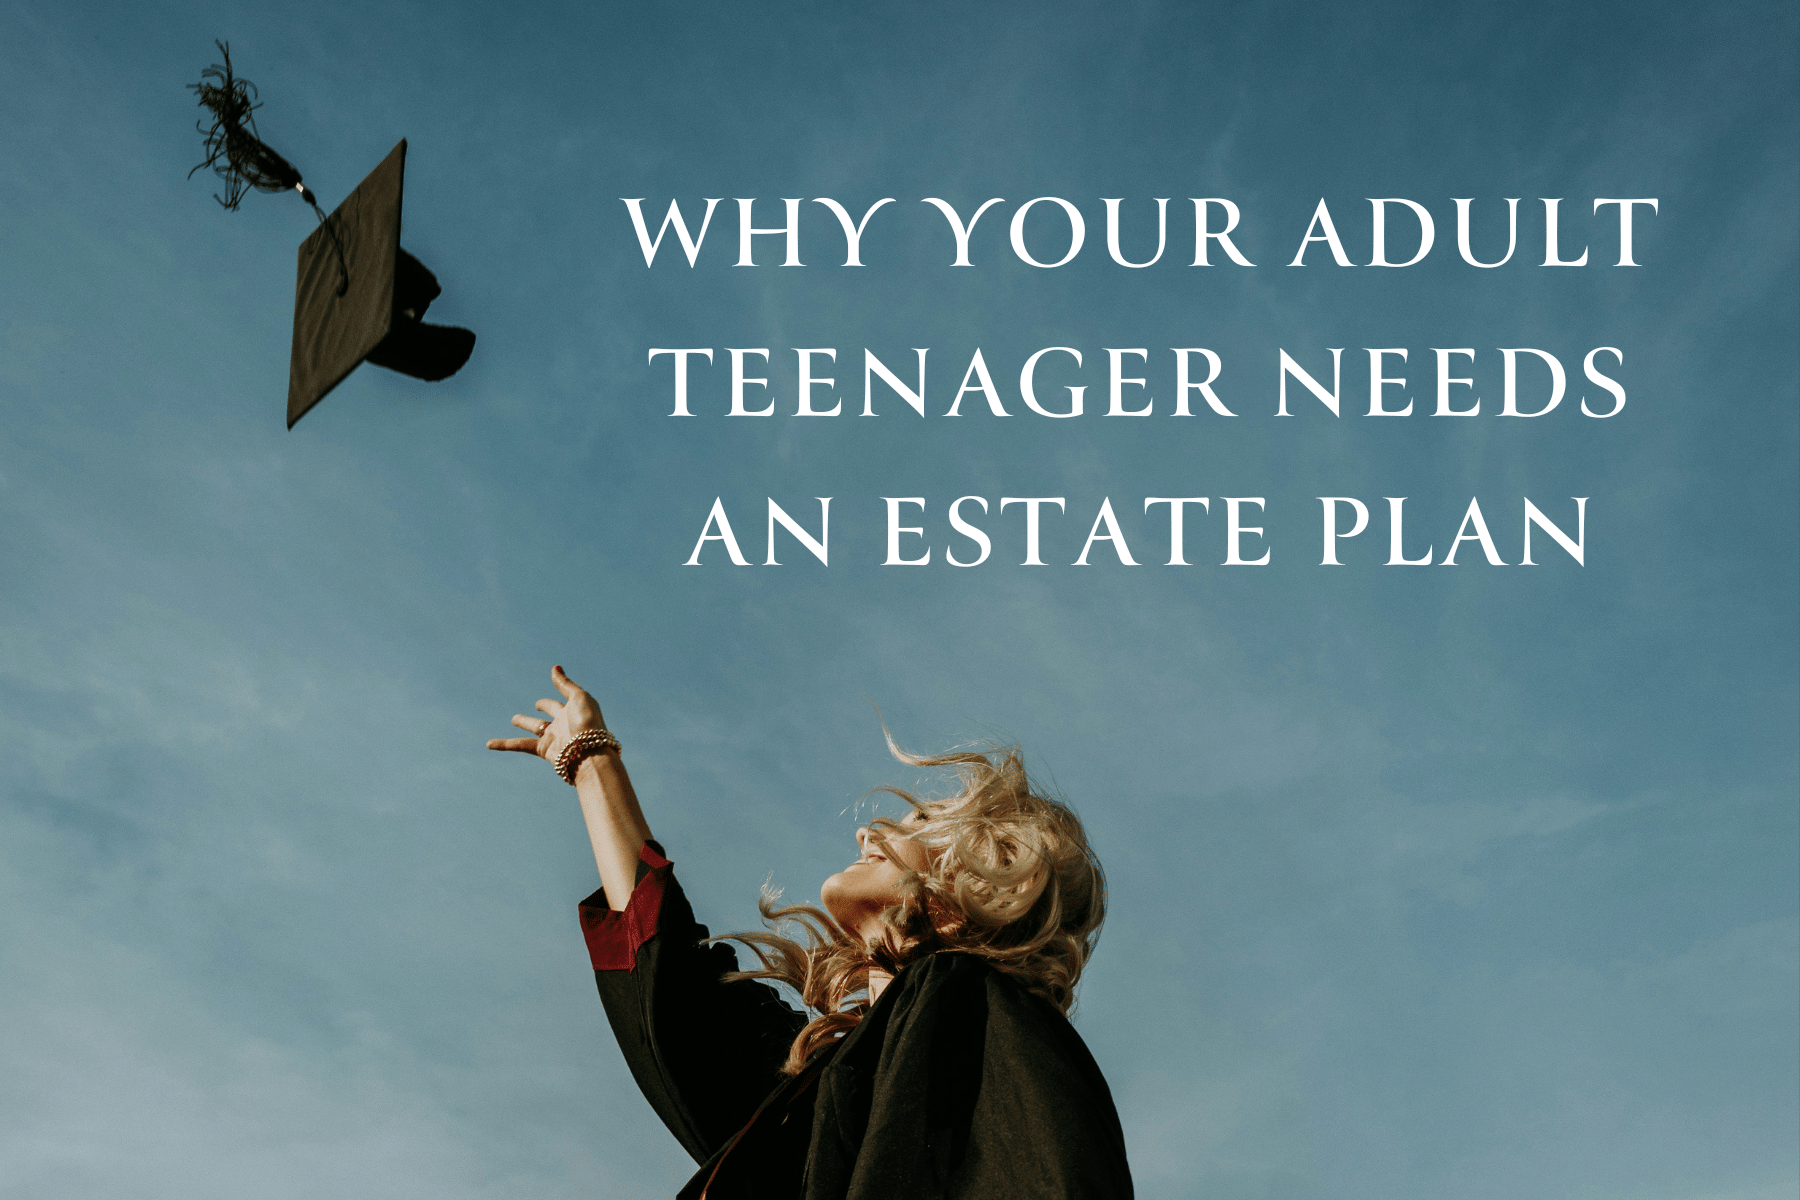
(939, 1061)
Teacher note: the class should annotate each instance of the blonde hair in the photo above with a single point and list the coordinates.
(1010, 878)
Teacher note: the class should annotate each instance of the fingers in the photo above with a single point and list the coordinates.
(568, 687)
(539, 727)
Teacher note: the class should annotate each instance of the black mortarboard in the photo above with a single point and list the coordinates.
(359, 297)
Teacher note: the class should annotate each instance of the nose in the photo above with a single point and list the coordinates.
(862, 836)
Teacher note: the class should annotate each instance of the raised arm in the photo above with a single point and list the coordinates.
(705, 1049)
(615, 823)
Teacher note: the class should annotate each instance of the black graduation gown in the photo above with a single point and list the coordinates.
(958, 1083)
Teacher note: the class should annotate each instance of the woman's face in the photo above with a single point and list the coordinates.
(856, 896)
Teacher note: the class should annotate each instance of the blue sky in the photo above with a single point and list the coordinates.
(1473, 882)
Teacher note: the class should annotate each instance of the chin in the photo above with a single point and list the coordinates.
(832, 898)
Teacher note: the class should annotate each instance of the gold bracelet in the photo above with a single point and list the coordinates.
(583, 745)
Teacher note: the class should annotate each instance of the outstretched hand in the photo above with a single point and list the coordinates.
(576, 713)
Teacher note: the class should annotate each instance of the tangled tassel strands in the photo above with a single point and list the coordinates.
(233, 150)
(238, 155)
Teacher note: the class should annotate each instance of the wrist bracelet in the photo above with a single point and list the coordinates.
(583, 745)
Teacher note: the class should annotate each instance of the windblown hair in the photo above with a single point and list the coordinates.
(1011, 878)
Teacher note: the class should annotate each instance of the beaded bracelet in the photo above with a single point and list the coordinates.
(585, 744)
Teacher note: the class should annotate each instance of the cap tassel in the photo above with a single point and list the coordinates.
(239, 156)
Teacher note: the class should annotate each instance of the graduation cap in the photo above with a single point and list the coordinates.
(358, 297)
